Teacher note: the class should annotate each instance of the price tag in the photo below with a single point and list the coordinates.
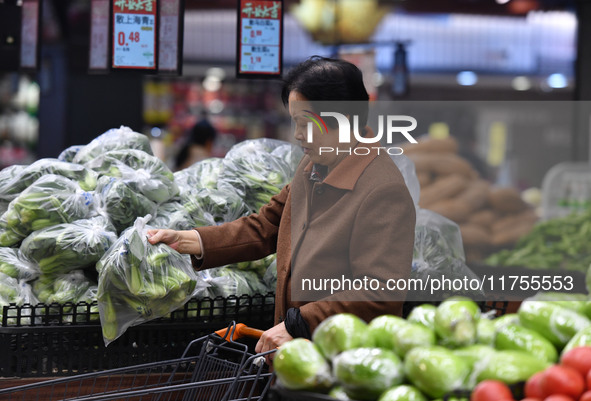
(260, 38)
(169, 57)
(134, 34)
(99, 35)
(29, 55)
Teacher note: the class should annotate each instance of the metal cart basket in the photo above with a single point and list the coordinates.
(213, 367)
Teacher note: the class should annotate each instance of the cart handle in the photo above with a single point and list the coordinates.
(239, 331)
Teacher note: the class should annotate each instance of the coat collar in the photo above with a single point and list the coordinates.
(347, 172)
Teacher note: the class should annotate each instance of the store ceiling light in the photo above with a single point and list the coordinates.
(521, 83)
(156, 132)
(216, 72)
(467, 78)
(557, 81)
(503, 1)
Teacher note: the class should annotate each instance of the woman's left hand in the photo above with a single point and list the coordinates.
(273, 339)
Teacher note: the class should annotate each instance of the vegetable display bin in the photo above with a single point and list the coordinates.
(62, 340)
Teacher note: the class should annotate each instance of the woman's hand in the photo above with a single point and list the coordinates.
(273, 339)
(185, 241)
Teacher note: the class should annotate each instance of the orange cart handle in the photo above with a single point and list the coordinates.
(241, 330)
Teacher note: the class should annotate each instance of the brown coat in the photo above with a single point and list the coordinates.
(358, 223)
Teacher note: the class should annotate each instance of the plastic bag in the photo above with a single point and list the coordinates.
(13, 291)
(139, 282)
(85, 177)
(209, 207)
(50, 200)
(61, 288)
(408, 171)
(7, 177)
(121, 203)
(14, 264)
(141, 171)
(86, 305)
(174, 216)
(226, 281)
(203, 174)
(260, 168)
(121, 138)
(65, 247)
(68, 154)
(438, 252)
(270, 277)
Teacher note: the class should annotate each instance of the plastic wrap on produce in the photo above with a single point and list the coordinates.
(15, 291)
(408, 171)
(438, 253)
(141, 171)
(366, 373)
(174, 216)
(16, 179)
(270, 276)
(61, 288)
(259, 168)
(122, 138)
(203, 174)
(51, 200)
(227, 281)
(7, 177)
(69, 246)
(68, 154)
(87, 304)
(121, 203)
(299, 365)
(139, 282)
(14, 264)
(209, 207)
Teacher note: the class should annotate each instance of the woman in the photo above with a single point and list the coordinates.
(343, 216)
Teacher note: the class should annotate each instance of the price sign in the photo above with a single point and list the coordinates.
(260, 38)
(134, 34)
(99, 35)
(170, 40)
(29, 54)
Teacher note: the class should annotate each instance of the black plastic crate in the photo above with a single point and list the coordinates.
(59, 340)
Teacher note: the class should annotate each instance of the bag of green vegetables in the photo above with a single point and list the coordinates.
(52, 199)
(139, 282)
(65, 247)
(14, 264)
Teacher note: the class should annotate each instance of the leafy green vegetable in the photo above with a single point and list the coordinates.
(203, 174)
(50, 200)
(121, 203)
(213, 206)
(68, 154)
(174, 216)
(13, 291)
(139, 282)
(14, 264)
(141, 171)
(65, 247)
(122, 138)
(7, 177)
(559, 243)
(366, 373)
(258, 169)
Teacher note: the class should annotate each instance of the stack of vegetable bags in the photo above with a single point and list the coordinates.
(435, 351)
(139, 282)
(59, 217)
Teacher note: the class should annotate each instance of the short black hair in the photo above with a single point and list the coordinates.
(327, 79)
(202, 133)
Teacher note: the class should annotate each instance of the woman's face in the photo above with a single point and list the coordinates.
(323, 147)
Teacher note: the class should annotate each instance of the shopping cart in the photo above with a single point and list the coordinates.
(214, 367)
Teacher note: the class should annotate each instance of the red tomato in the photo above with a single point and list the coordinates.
(491, 390)
(578, 358)
(586, 396)
(559, 397)
(533, 386)
(558, 379)
(531, 399)
(589, 380)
